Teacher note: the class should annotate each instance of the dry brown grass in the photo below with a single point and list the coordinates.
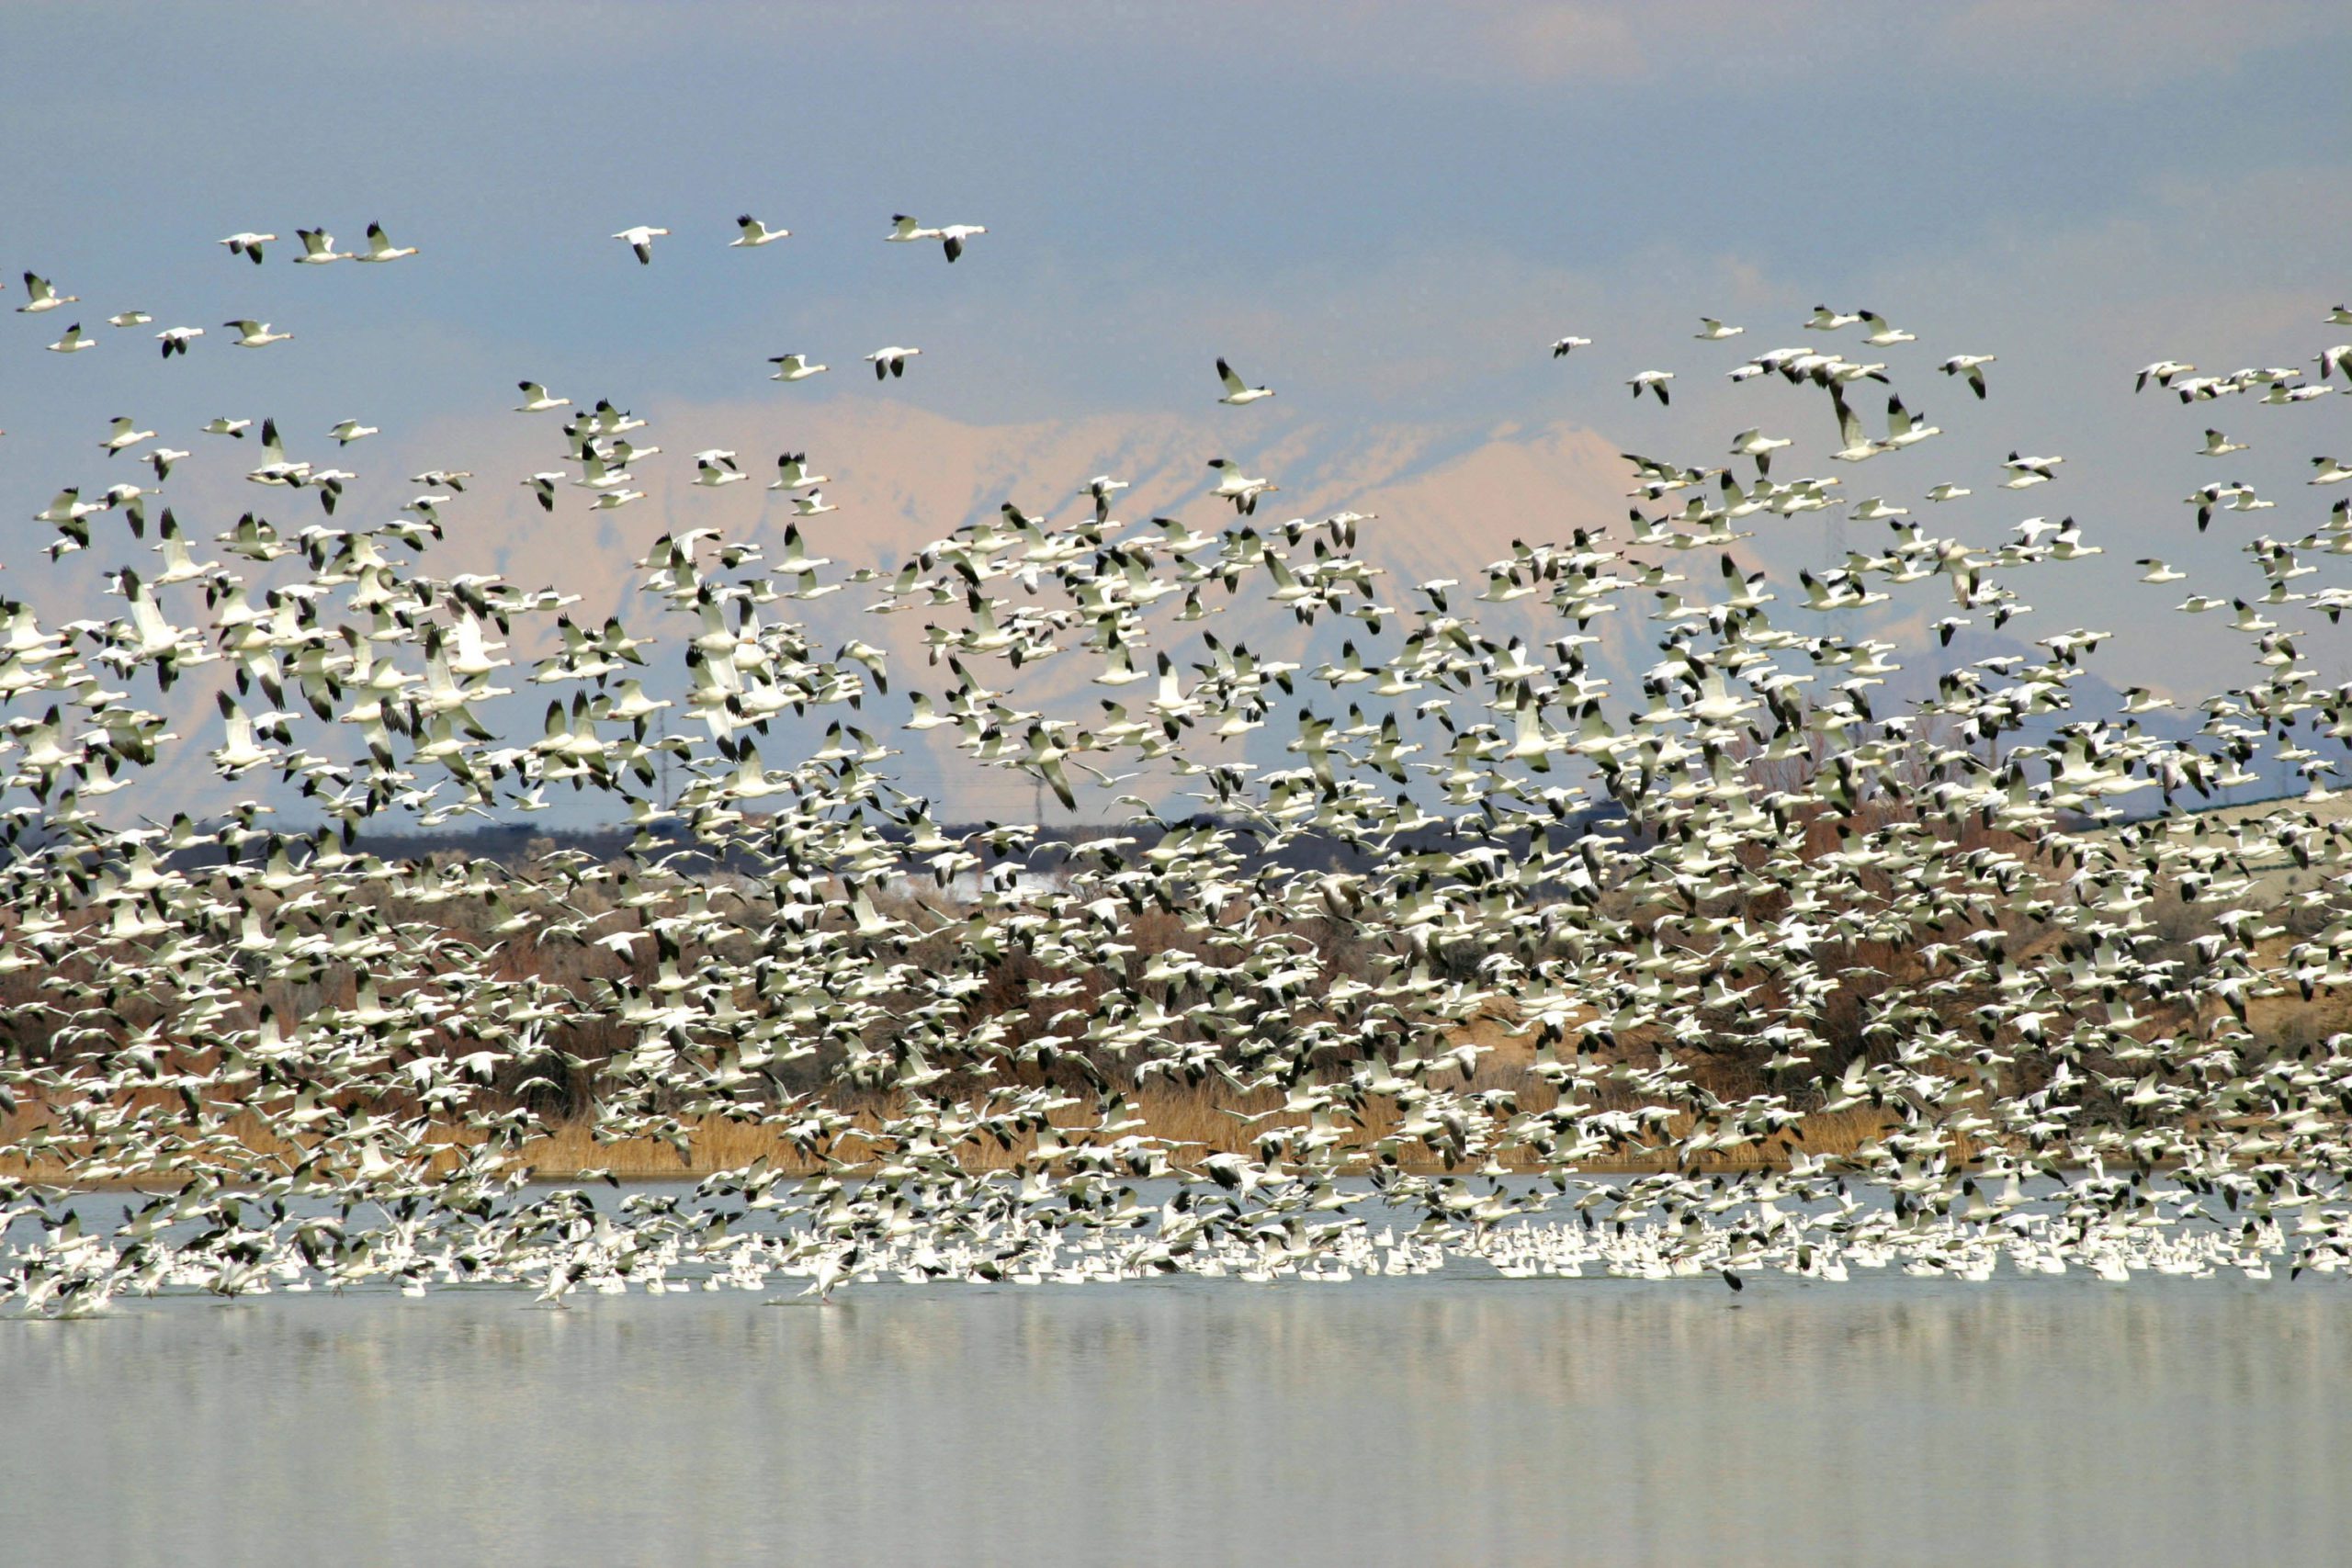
(1193, 1122)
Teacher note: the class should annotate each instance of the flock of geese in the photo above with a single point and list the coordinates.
(1771, 957)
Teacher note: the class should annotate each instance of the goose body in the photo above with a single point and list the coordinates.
(1238, 391)
(124, 434)
(40, 296)
(380, 247)
(248, 245)
(317, 248)
(640, 239)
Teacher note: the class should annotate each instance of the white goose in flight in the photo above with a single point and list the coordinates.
(73, 342)
(536, 399)
(40, 296)
(256, 334)
(317, 248)
(794, 368)
(125, 434)
(905, 230)
(2029, 471)
(176, 339)
(792, 472)
(248, 245)
(1881, 336)
(1238, 391)
(953, 236)
(890, 361)
(1239, 488)
(640, 238)
(756, 233)
(380, 247)
(1970, 365)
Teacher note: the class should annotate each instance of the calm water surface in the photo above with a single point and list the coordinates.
(1431, 1420)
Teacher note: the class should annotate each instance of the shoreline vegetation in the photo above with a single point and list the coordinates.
(1194, 1124)
(536, 936)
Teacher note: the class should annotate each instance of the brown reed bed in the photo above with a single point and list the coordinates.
(1193, 1123)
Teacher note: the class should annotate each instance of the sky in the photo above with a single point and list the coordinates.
(1386, 211)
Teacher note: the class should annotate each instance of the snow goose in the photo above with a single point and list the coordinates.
(317, 248)
(536, 399)
(176, 339)
(1651, 381)
(2219, 445)
(1712, 331)
(716, 467)
(890, 361)
(1904, 430)
(794, 368)
(813, 504)
(2328, 471)
(1757, 445)
(2029, 471)
(1854, 445)
(221, 424)
(1239, 488)
(247, 245)
(1970, 365)
(639, 238)
(2161, 372)
(1562, 346)
(350, 430)
(905, 230)
(126, 434)
(1825, 320)
(1881, 336)
(756, 233)
(380, 247)
(792, 472)
(40, 296)
(73, 342)
(255, 334)
(1238, 391)
(129, 319)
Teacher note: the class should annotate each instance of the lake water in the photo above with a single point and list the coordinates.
(1441, 1419)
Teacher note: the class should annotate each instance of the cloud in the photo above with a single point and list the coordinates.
(1558, 43)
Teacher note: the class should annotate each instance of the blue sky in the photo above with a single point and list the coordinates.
(1387, 211)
